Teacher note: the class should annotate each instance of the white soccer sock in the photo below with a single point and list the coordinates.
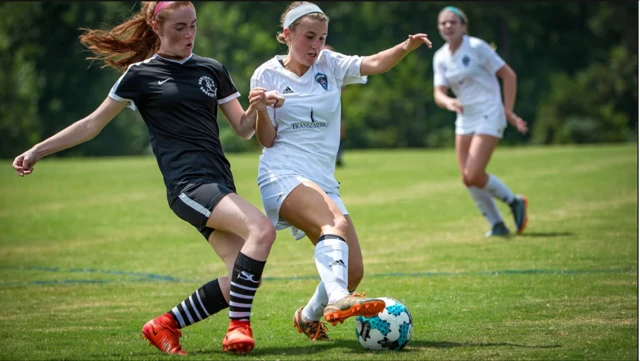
(332, 262)
(496, 188)
(314, 310)
(485, 203)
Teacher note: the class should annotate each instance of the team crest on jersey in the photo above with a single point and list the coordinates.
(322, 80)
(465, 60)
(207, 86)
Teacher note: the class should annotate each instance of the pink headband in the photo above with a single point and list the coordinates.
(161, 5)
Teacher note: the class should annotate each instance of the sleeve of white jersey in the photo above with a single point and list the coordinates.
(438, 73)
(260, 79)
(346, 68)
(490, 58)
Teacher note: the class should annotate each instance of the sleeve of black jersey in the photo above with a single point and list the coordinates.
(226, 89)
(127, 89)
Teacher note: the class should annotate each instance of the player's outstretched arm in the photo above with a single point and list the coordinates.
(78, 132)
(387, 59)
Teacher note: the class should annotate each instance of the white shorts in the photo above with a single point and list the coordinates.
(275, 190)
(491, 121)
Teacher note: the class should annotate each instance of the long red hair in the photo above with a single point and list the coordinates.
(130, 42)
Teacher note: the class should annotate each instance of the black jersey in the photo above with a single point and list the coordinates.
(179, 102)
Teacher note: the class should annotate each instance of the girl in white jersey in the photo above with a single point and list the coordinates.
(469, 67)
(301, 139)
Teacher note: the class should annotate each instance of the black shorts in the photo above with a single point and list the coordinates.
(194, 204)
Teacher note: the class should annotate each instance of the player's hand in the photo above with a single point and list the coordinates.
(23, 164)
(454, 106)
(258, 98)
(518, 123)
(415, 40)
(274, 98)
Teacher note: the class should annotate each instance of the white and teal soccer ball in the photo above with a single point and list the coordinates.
(391, 329)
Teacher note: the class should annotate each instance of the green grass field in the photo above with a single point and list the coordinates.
(90, 251)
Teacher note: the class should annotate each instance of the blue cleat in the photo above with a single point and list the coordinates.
(519, 210)
(498, 230)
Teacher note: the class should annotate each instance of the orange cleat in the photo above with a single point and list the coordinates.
(314, 330)
(239, 338)
(355, 304)
(163, 333)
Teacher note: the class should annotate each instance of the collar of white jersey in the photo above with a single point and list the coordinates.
(280, 65)
(279, 58)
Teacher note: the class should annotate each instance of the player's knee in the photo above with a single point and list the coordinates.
(472, 178)
(341, 224)
(267, 234)
(464, 180)
(263, 232)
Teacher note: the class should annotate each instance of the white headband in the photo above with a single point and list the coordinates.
(298, 12)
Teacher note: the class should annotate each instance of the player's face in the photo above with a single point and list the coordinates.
(450, 26)
(178, 32)
(307, 40)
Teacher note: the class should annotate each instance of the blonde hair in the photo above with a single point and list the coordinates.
(130, 42)
(292, 27)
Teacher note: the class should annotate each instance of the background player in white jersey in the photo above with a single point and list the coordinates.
(177, 94)
(297, 165)
(469, 66)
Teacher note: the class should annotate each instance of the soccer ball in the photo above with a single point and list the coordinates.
(391, 329)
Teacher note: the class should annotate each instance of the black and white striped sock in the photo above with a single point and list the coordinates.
(245, 280)
(204, 302)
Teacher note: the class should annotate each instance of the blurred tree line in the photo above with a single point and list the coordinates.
(577, 66)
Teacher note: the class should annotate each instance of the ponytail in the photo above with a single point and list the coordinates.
(130, 42)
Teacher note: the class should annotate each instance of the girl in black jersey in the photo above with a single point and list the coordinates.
(177, 94)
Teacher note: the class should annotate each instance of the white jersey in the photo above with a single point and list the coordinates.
(470, 73)
(308, 124)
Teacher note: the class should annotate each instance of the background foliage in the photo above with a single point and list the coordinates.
(577, 66)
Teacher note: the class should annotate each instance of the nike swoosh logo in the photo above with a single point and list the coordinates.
(163, 81)
(154, 331)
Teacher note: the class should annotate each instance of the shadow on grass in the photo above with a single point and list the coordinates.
(449, 344)
(546, 234)
(353, 347)
(301, 350)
